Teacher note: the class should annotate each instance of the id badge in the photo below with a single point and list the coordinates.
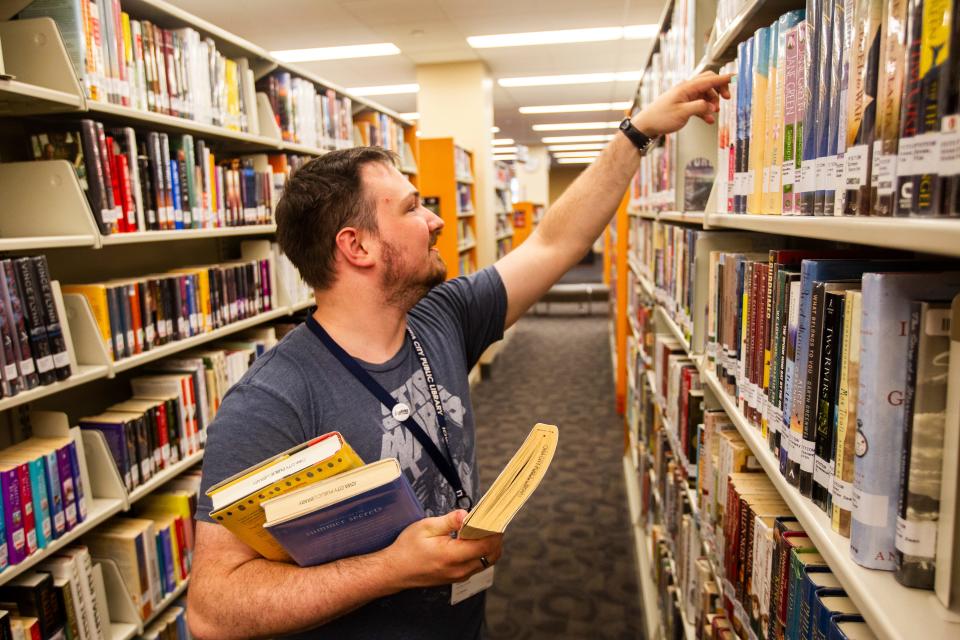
(470, 587)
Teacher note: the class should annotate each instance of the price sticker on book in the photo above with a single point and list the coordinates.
(949, 163)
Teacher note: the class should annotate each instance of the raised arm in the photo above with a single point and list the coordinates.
(228, 579)
(577, 219)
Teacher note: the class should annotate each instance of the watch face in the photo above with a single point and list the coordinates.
(625, 124)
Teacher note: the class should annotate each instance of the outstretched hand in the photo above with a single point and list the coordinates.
(699, 96)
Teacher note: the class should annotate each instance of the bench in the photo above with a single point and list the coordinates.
(584, 295)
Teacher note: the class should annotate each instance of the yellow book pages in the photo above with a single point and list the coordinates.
(514, 486)
(96, 295)
(245, 517)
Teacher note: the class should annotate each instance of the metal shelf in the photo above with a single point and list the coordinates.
(21, 98)
(186, 234)
(648, 590)
(81, 375)
(165, 476)
(891, 610)
(753, 15)
(926, 235)
(166, 602)
(685, 217)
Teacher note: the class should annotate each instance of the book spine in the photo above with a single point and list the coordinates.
(96, 189)
(67, 487)
(18, 329)
(829, 357)
(41, 501)
(51, 319)
(55, 492)
(26, 508)
(811, 391)
(822, 110)
(79, 488)
(909, 123)
(13, 516)
(33, 315)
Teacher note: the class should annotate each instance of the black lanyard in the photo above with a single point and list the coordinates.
(444, 463)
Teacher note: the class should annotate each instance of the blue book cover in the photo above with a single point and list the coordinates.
(41, 502)
(175, 185)
(54, 494)
(78, 487)
(809, 92)
(824, 86)
(16, 537)
(356, 525)
(816, 580)
(739, 200)
(67, 487)
(848, 626)
(884, 347)
(830, 604)
(165, 557)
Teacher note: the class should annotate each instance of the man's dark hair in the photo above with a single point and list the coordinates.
(320, 199)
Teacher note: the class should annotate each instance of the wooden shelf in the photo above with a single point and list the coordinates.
(927, 235)
(186, 234)
(891, 610)
(164, 476)
(98, 510)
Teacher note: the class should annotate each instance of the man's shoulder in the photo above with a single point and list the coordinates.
(284, 364)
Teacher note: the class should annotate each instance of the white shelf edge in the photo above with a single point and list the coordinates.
(41, 94)
(464, 179)
(98, 511)
(164, 476)
(466, 214)
(186, 234)
(926, 235)
(156, 353)
(463, 248)
(675, 330)
(166, 602)
(687, 217)
(891, 610)
(648, 590)
(122, 630)
(504, 236)
(82, 375)
(47, 242)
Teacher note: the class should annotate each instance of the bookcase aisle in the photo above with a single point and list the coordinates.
(447, 187)
(143, 152)
(791, 312)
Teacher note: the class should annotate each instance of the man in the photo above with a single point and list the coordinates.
(358, 233)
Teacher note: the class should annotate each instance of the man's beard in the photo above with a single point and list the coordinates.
(403, 289)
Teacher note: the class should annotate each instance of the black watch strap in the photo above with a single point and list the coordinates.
(639, 139)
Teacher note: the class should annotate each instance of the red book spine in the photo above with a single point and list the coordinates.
(26, 506)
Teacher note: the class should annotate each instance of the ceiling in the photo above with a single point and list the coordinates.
(431, 31)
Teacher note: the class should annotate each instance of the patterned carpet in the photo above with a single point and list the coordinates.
(568, 569)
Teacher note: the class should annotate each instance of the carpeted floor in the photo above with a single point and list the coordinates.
(568, 569)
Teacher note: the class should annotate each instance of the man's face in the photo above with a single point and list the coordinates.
(408, 234)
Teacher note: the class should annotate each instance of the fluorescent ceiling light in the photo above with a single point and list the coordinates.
(591, 138)
(575, 160)
(410, 115)
(575, 126)
(337, 53)
(499, 142)
(504, 150)
(577, 147)
(564, 36)
(575, 78)
(385, 90)
(494, 129)
(506, 156)
(575, 154)
(576, 108)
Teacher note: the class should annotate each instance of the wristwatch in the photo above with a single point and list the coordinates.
(640, 140)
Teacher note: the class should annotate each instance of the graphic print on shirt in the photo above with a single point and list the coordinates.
(431, 488)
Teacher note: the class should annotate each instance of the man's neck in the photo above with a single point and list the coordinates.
(361, 323)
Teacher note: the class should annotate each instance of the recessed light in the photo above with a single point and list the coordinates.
(575, 126)
(590, 138)
(504, 150)
(564, 36)
(575, 154)
(577, 147)
(494, 129)
(385, 90)
(574, 78)
(576, 108)
(499, 142)
(337, 53)
(506, 156)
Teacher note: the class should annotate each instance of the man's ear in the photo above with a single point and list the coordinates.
(354, 246)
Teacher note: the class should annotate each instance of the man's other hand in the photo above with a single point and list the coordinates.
(424, 554)
(699, 97)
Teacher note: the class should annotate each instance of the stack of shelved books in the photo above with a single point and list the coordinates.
(139, 64)
(846, 109)
(306, 116)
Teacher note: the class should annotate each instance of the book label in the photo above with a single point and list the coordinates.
(10, 371)
(823, 472)
(926, 151)
(869, 508)
(793, 445)
(855, 171)
(842, 493)
(884, 170)
(822, 169)
(808, 176)
(787, 171)
(917, 538)
(839, 167)
(61, 359)
(766, 180)
(905, 157)
(807, 454)
(949, 163)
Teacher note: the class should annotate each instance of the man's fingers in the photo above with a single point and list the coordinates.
(710, 80)
(702, 108)
(443, 525)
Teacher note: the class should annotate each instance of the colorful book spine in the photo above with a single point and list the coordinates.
(809, 92)
(760, 75)
(823, 162)
(841, 492)
(791, 93)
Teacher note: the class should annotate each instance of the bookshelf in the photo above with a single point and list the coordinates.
(446, 174)
(526, 216)
(45, 210)
(890, 609)
(505, 232)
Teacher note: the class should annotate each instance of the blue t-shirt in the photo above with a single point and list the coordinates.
(299, 390)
